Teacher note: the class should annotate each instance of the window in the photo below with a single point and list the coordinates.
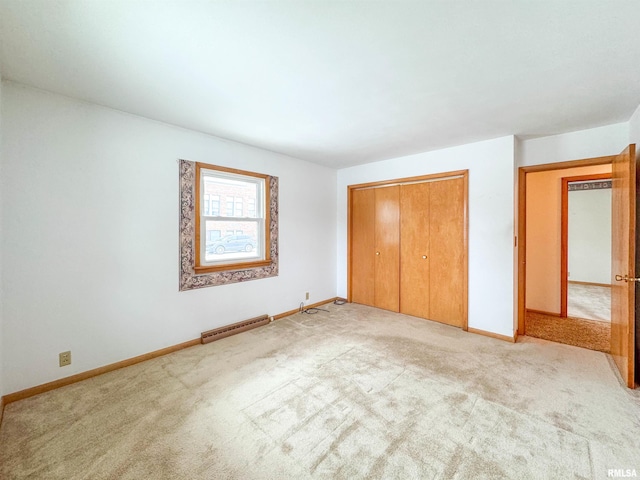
(195, 235)
(245, 240)
(215, 205)
(234, 206)
(251, 208)
(213, 235)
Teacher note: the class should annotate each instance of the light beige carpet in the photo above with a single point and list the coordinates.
(592, 302)
(354, 393)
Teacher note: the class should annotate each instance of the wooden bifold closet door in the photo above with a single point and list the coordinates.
(363, 221)
(415, 255)
(408, 248)
(375, 241)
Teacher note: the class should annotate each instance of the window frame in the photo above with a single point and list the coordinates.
(265, 241)
(188, 279)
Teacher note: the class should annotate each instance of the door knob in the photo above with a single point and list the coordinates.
(424, 256)
(626, 278)
(377, 253)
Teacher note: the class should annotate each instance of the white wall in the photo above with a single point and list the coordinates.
(491, 221)
(90, 231)
(595, 142)
(1, 254)
(589, 229)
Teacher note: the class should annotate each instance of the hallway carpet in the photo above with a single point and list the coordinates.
(591, 334)
(351, 393)
(591, 302)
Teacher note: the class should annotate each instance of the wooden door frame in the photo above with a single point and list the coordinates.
(564, 234)
(522, 217)
(422, 178)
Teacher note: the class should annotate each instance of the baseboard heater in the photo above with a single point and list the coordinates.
(222, 332)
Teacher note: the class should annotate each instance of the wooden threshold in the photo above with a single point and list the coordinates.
(505, 338)
(542, 312)
(62, 382)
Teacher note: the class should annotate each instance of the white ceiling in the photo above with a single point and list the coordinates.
(337, 82)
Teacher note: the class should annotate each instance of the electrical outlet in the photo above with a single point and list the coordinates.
(65, 359)
(306, 297)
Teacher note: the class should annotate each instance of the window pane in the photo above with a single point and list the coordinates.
(213, 235)
(215, 205)
(233, 194)
(240, 242)
(232, 197)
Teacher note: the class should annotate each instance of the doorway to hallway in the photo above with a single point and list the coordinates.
(568, 255)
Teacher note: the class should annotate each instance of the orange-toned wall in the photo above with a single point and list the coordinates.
(544, 197)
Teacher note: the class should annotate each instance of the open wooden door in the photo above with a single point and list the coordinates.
(623, 263)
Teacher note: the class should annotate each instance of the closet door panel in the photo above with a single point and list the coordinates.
(447, 259)
(387, 245)
(362, 246)
(414, 249)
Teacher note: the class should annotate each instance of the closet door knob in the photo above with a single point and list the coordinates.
(424, 256)
(377, 253)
